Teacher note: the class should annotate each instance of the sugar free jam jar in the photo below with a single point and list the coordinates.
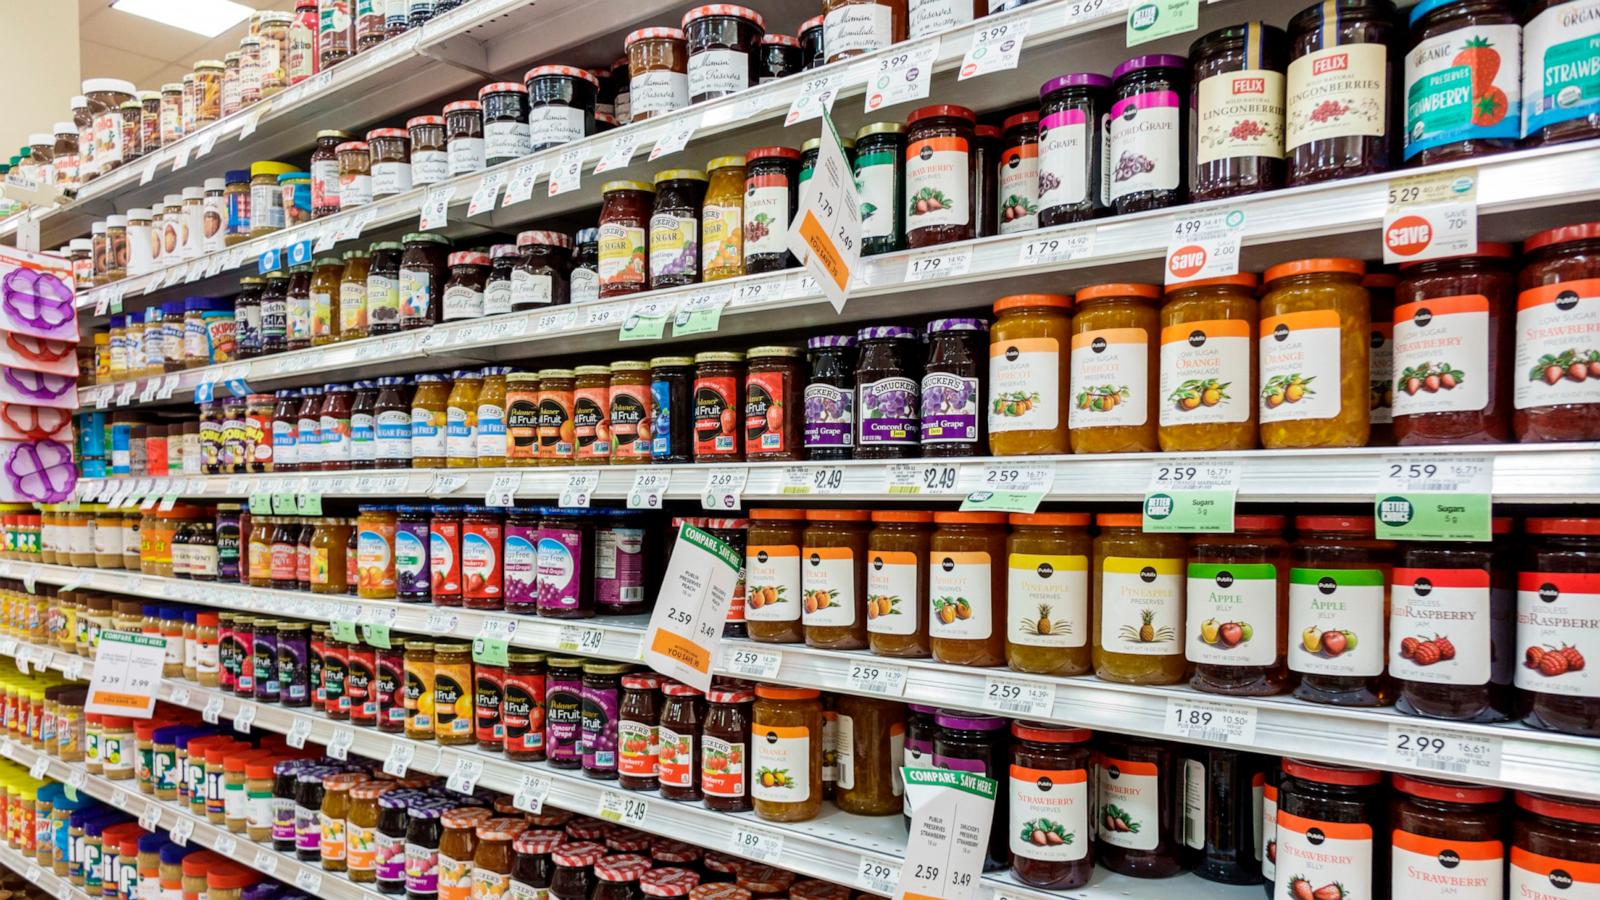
(1315, 333)
(897, 583)
(1238, 608)
(1047, 566)
(940, 176)
(672, 399)
(833, 578)
(718, 399)
(1207, 396)
(1328, 819)
(977, 744)
(771, 195)
(1147, 134)
(1138, 602)
(1115, 358)
(1338, 611)
(887, 411)
(1050, 830)
(967, 588)
(1557, 366)
(1553, 844)
(1071, 128)
(1238, 110)
(1455, 111)
(953, 388)
(1339, 122)
(1027, 377)
(1139, 814)
(1447, 836)
(624, 228)
(1557, 584)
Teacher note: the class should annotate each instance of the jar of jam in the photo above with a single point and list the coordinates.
(561, 105)
(672, 398)
(383, 287)
(522, 706)
(463, 125)
(1050, 836)
(977, 744)
(533, 870)
(422, 277)
(325, 181)
(1071, 125)
(563, 712)
(1444, 122)
(771, 196)
(629, 414)
(986, 147)
(897, 583)
(1237, 103)
(658, 68)
(1207, 391)
(1557, 365)
(541, 276)
(430, 422)
(967, 588)
(1553, 845)
(617, 876)
(463, 292)
(1315, 338)
(879, 166)
(778, 56)
(1148, 134)
(1017, 197)
(598, 726)
(724, 46)
(1027, 382)
(1327, 819)
(718, 396)
(772, 576)
(1338, 592)
(786, 753)
(1222, 812)
(830, 397)
(772, 393)
(724, 750)
(952, 388)
(1238, 618)
(869, 735)
(625, 218)
(1140, 801)
(1337, 107)
(1138, 602)
(887, 408)
(1549, 113)
(557, 432)
(638, 732)
(675, 228)
(505, 121)
(1447, 834)
(430, 156)
(941, 176)
(833, 578)
(1558, 568)
(683, 717)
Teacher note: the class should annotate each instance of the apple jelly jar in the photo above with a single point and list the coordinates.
(1238, 597)
(1557, 588)
(1556, 371)
(1207, 394)
(897, 582)
(1452, 627)
(1050, 827)
(1449, 839)
(1328, 817)
(1047, 589)
(1138, 602)
(967, 588)
(1555, 846)
(1338, 610)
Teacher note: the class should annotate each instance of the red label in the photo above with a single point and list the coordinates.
(1409, 235)
(764, 412)
(1335, 63)
(716, 416)
(1249, 85)
(1186, 261)
(480, 561)
(444, 559)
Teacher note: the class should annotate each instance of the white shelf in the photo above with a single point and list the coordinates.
(1529, 759)
(36, 874)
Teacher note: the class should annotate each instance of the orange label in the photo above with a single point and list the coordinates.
(682, 649)
(1547, 866)
(1439, 306)
(822, 247)
(1110, 336)
(1213, 328)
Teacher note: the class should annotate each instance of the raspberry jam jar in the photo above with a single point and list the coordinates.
(1557, 588)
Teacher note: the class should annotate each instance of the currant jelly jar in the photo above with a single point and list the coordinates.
(1338, 601)
(1557, 365)
(1557, 587)
(1050, 831)
(1448, 838)
(1238, 615)
(1553, 846)
(771, 195)
(887, 411)
(1337, 106)
(1328, 817)
(940, 176)
(1456, 111)
(1147, 140)
(1238, 110)
(1072, 116)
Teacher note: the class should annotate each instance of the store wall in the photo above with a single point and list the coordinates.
(39, 69)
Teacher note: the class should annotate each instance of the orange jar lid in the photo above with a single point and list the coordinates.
(1243, 279)
(1258, 523)
(1119, 520)
(837, 515)
(1360, 524)
(1068, 520)
(1328, 773)
(1447, 791)
(1332, 264)
(774, 692)
(778, 514)
(1050, 734)
(1129, 289)
(1024, 301)
(969, 518)
(902, 515)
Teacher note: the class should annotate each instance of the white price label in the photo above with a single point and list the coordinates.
(310, 881)
(266, 862)
(1205, 245)
(446, 483)
(436, 208)
(488, 191)
(1032, 699)
(440, 623)
(244, 718)
(151, 387)
(579, 489)
(675, 138)
(579, 639)
(648, 487)
(724, 488)
(815, 97)
(149, 173)
(939, 264)
(805, 480)
(41, 765)
(751, 662)
(1467, 756)
(126, 393)
(994, 49)
(903, 76)
(1211, 721)
(212, 712)
(398, 762)
(74, 668)
(1057, 248)
(621, 151)
(877, 678)
(531, 793)
(567, 174)
(225, 844)
(168, 385)
(298, 732)
(182, 830)
(339, 744)
(179, 696)
(1428, 473)
(751, 843)
(503, 489)
(877, 876)
(327, 236)
(1431, 216)
(623, 809)
(520, 188)
(151, 817)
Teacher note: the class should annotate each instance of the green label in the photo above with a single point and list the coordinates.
(643, 328)
(260, 504)
(376, 635)
(489, 651)
(977, 785)
(1572, 71)
(711, 544)
(1240, 571)
(308, 504)
(1439, 102)
(1002, 501)
(1189, 511)
(1339, 577)
(1433, 516)
(284, 504)
(1151, 20)
(697, 321)
(343, 630)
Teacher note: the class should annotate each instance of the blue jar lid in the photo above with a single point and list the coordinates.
(393, 381)
(1424, 7)
(311, 391)
(285, 393)
(365, 384)
(152, 842)
(336, 386)
(172, 854)
(236, 176)
(430, 378)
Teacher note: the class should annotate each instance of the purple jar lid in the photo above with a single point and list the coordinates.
(1075, 79)
(941, 325)
(1154, 61)
(925, 710)
(882, 332)
(830, 340)
(969, 723)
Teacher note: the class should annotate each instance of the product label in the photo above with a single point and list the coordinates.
(766, 215)
(488, 884)
(630, 422)
(390, 178)
(460, 433)
(497, 296)
(675, 757)
(781, 757)
(949, 409)
(551, 125)
(1461, 870)
(674, 246)
(299, 319)
(1336, 621)
(505, 140)
(529, 289)
(1142, 606)
(1300, 366)
(889, 412)
(1536, 877)
(1561, 68)
(638, 745)
(1556, 622)
(393, 435)
(1146, 144)
(427, 434)
(1314, 854)
(933, 16)
(462, 302)
(827, 582)
(764, 413)
(830, 414)
(657, 92)
(622, 257)
(1267, 840)
(722, 234)
(1340, 91)
(429, 166)
(325, 184)
(892, 592)
(1065, 158)
(1558, 344)
(857, 28)
(962, 607)
(1018, 187)
(1049, 814)
(1205, 373)
(415, 291)
(1239, 114)
(722, 767)
(877, 184)
(938, 179)
(491, 431)
(772, 576)
(354, 190)
(713, 73)
(588, 421)
(716, 416)
(1232, 614)
(1380, 365)
(466, 155)
(1462, 85)
(1024, 385)
(383, 300)
(583, 286)
(1440, 627)
(1048, 602)
(1110, 372)
(1129, 798)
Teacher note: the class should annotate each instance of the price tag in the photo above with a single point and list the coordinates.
(1056, 249)
(1211, 721)
(310, 881)
(685, 632)
(531, 793)
(1032, 699)
(34, 874)
(600, 315)
(872, 677)
(464, 777)
(266, 862)
(489, 647)
(308, 503)
(149, 173)
(488, 191)
(816, 97)
(41, 765)
(150, 818)
(150, 389)
(244, 718)
(939, 264)
(127, 674)
(877, 876)
(339, 744)
(398, 762)
(520, 187)
(648, 486)
(1151, 20)
(212, 712)
(73, 670)
(436, 208)
(181, 831)
(702, 313)
(1471, 757)
(1006, 488)
(567, 174)
(724, 487)
(826, 231)
(580, 489)
(298, 732)
(225, 844)
(168, 385)
(1435, 498)
(503, 489)
(675, 138)
(951, 814)
(903, 76)
(750, 662)
(806, 480)
(994, 49)
(621, 151)
(623, 809)
(578, 639)
(1191, 495)
(125, 394)
(327, 236)
(752, 843)
(445, 483)
(1205, 245)
(179, 696)
(351, 228)
(646, 320)
(1431, 216)
(440, 623)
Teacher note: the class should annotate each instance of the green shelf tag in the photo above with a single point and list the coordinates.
(343, 630)
(1152, 20)
(488, 651)
(260, 504)
(376, 635)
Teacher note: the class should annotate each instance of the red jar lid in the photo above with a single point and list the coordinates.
(817, 889)
(771, 152)
(653, 34)
(544, 239)
(1562, 526)
(679, 689)
(668, 882)
(813, 22)
(1380, 280)
(468, 258)
(1446, 791)
(415, 121)
(1570, 810)
(538, 840)
(642, 682)
(626, 840)
(565, 71)
(550, 818)
(720, 863)
(730, 695)
(724, 9)
(765, 879)
(1258, 523)
(460, 105)
(719, 890)
(1311, 266)
(1327, 773)
(1050, 734)
(586, 829)
(1067, 520)
(1021, 118)
(502, 87)
(1486, 250)
(621, 867)
(939, 111)
(783, 40)
(1352, 524)
(987, 131)
(379, 133)
(578, 853)
(668, 850)
(1563, 234)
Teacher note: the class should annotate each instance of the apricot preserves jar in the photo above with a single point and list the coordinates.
(833, 579)
(897, 582)
(1339, 610)
(1557, 367)
(1050, 835)
(1555, 847)
(1557, 588)
(1114, 369)
(786, 753)
(1238, 608)
(1207, 395)
(1027, 377)
(772, 576)
(1449, 839)
(1327, 822)
(1138, 602)
(1314, 342)
(967, 588)
(1047, 590)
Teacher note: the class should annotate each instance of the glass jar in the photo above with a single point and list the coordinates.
(563, 706)
(986, 148)
(1147, 134)
(724, 750)
(624, 227)
(1138, 602)
(354, 160)
(1558, 399)
(953, 386)
(452, 693)
(722, 219)
(574, 878)
(430, 157)
(887, 377)
(977, 744)
(897, 583)
(638, 732)
(561, 105)
(1313, 366)
(325, 181)
(1071, 133)
(967, 588)
(602, 695)
(422, 276)
(854, 27)
(1207, 393)
(869, 736)
(1328, 817)
(464, 143)
(1139, 817)
(723, 44)
(1238, 103)
(786, 753)
(1447, 834)
(879, 166)
(375, 529)
(1050, 836)
(772, 391)
(830, 397)
(658, 72)
(682, 721)
(1047, 561)
(1238, 618)
(672, 387)
(1223, 808)
(390, 152)
(1115, 361)
(505, 122)
(1017, 183)
(778, 57)
(771, 196)
(718, 398)
(522, 706)
(674, 255)
(1338, 118)
(628, 402)
(463, 292)
(941, 176)
(1558, 564)
(541, 276)
(1339, 611)
(1444, 122)
(556, 429)
(1549, 112)
(772, 576)
(833, 578)
(1027, 382)
(1552, 845)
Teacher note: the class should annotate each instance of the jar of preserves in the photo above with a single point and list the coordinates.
(1328, 817)
(557, 432)
(638, 732)
(1444, 122)
(1047, 562)
(1447, 834)
(1558, 568)
(952, 388)
(602, 695)
(1338, 120)
(624, 227)
(296, 190)
(778, 57)
(522, 706)
(1238, 617)
(1339, 610)
(355, 174)
(463, 292)
(941, 176)
(833, 578)
(897, 583)
(1312, 363)
(430, 159)
(977, 744)
(392, 418)
(505, 122)
(772, 396)
(1050, 835)
(1147, 134)
(967, 588)
(786, 753)
(452, 692)
(830, 397)
(887, 411)
(503, 259)
(855, 27)
(718, 397)
(326, 273)
(1451, 303)
(541, 276)
(1114, 368)
(1552, 845)
(390, 149)
(325, 180)
(869, 736)
(430, 413)
(1207, 394)
(723, 42)
(771, 196)
(561, 102)
(1557, 375)
(674, 258)
(1140, 802)
(422, 277)
(1222, 813)
(724, 750)
(1071, 124)
(772, 576)
(722, 219)
(464, 143)
(879, 166)
(617, 876)
(461, 420)
(1026, 378)
(683, 717)
(1138, 602)
(658, 72)
(986, 148)
(672, 398)
(1017, 183)
(1237, 103)
(629, 414)
(1551, 112)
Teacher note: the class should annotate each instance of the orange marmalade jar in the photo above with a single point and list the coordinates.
(1315, 338)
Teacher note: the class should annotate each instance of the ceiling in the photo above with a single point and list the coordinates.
(115, 44)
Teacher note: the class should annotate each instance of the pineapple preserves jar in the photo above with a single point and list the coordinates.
(1047, 588)
(1138, 602)
(1315, 334)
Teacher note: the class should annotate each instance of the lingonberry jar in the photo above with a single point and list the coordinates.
(1340, 121)
(1237, 105)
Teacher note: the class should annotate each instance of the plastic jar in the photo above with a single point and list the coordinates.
(940, 176)
(1338, 120)
(658, 70)
(624, 227)
(561, 103)
(967, 588)
(771, 196)
(786, 753)
(1138, 602)
(1455, 112)
(1328, 817)
(1047, 561)
(105, 96)
(1558, 565)
(505, 121)
(1315, 331)
(1237, 620)
(590, 415)
(1556, 374)
(296, 190)
(1553, 845)
(464, 142)
(1027, 381)
(723, 42)
(833, 578)
(1050, 835)
(266, 199)
(1207, 393)
(1338, 611)
(674, 248)
(557, 432)
(1238, 108)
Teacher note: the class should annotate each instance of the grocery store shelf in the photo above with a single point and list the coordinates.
(1530, 759)
(1521, 475)
(36, 874)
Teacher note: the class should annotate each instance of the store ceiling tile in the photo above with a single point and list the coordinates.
(115, 44)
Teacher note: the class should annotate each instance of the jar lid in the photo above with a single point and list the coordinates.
(560, 72)
(1021, 118)
(782, 40)
(940, 111)
(668, 882)
(333, 133)
(718, 356)
(386, 245)
(1563, 234)
(593, 667)
(1447, 791)
(679, 175)
(777, 514)
(1128, 289)
(343, 781)
(371, 790)
(502, 87)
(380, 133)
(815, 143)
(788, 153)
(768, 351)
(914, 516)
(816, 889)
(653, 34)
(1311, 266)
(765, 879)
(629, 365)
(544, 239)
(939, 326)
(414, 237)
(1329, 773)
(831, 340)
(967, 722)
(623, 866)
(837, 515)
(502, 829)
(679, 689)
(269, 167)
(657, 362)
(107, 86)
(610, 186)
(1046, 733)
(1486, 250)
(719, 890)
(775, 692)
(578, 853)
(1119, 520)
(987, 131)
(1559, 808)
(1561, 526)
(588, 235)
(328, 261)
(725, 162)
(1243, 279)
(230, 877)
(969, 518)
(642, 682)
(538, 840)
(1068, 520)
(730, 695)
(1153, 61)
(463, 106)
(724, 9)
(1074, 79)
(416, 121)
(1354, 524)
(813, 22)
(1257, 523)
(668, 850)
(1031, 301)
(879, 128)
(887, 332)
(557, 374)
(462, 817)
(593, 370)
(721, 863)
(469, 258)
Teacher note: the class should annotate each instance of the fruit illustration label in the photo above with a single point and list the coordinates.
(674, 245)
(588, 423)
(1129, 798)
(830, 412)
(383, 301)
(827, 586)
(1556, 623)
(1558, 344)
(1537, 877)
(653, 93)
(1336, 92)
(1019, 188)
(622, 257)
(722, 233)
(1049, 813)
(764, 412)
(1048, 600)
(1110, 378)
(1336, 621)
(1064, 154)
(722, 767)
(630, 422)
(1561, 75)
(1233, 614)
(1323, 860)
(961, 607)
(1459, 870)
(857, 28)
(1145, 139)
(892, 592)
(766, 214)
(488, 884)
(1439, 626)
(772, 576)
(1380, 364)
(938, 177)
(1462, 85)
(716, 416)
(411, 561)
(1300, 366)
(414, 287)
(949, 409)
(1268, 843)
(781, 757)
(876, 185)
(1024, 384)
(362, 843)
(638, 744)
(1239, 114)
(1141, 611)
(1205, 373)
(675, 757)
(556, 429)
(889, 412)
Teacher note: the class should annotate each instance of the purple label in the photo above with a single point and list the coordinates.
(293, 677)
(520, 569)
(563, 719)
(889, 412)
(391, 858)
(559, 558)
(1144, 101)
(619, 567)
(828, 416)
(266, 667)
(422, 870)
(949, 409)
(413, 578)
(307, 829)
(282, 820)
(1064, 117)
(960, 765)
(599, 728)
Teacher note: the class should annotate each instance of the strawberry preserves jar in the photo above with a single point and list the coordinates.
(1461, 91)
(1557, 367)
(1560, 100)
(1557, 590)
(1555, 847)
(1449, 839)
(1327, 818)
(1050, 834)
